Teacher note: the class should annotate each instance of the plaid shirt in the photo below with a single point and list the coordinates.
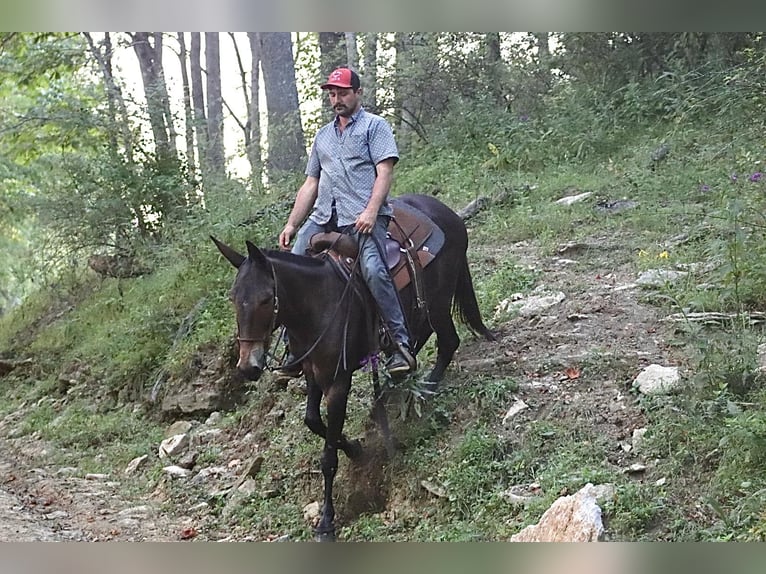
(345, 165)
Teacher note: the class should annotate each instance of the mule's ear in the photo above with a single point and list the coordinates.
(256, 254)
(234, 258)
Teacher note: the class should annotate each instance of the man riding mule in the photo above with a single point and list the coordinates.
(348, 178)
(328, 319)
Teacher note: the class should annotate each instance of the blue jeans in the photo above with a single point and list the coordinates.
(374, 272)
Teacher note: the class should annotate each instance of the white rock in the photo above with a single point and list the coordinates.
(143, 511)
(134, 464)
(570, 199)
(530, 306)
(515, 409)
(575, 518)
(173, 445)
(638, 438)
(659, 277)
(656, 379)
(96, 476)
(311, 511)
(214, 418)
(176, 471)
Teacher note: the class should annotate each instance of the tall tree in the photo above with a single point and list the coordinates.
(352, 56)
(494, 66)
(404, 105)
(253, 148)
(215, 151)
(370, 71)
(118, 113)
(198, 98)
(287, 151)
(332, 52)
(148, 48)
(183, 57)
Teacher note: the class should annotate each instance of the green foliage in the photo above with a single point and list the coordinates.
(591, 127)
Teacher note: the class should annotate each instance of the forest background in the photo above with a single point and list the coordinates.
(122, 152)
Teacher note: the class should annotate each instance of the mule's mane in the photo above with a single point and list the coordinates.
(292, 258)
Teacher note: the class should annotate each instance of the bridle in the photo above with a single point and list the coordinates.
(272, 324)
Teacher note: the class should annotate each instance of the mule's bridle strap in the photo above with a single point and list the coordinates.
(274, 314)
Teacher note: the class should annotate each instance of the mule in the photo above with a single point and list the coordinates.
(331, 324)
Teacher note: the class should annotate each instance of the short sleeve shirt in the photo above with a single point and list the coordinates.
(345, 165)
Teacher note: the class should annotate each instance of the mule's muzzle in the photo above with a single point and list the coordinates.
(252, 360)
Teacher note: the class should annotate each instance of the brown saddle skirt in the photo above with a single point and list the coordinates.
(406, 248)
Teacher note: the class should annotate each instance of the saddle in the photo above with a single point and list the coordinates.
(412, 242)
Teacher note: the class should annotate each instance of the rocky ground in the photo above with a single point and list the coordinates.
(576, 357)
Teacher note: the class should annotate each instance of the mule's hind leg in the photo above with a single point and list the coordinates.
(447, 342)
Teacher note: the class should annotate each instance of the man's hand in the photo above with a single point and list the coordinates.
(366, 221)
(286, 236)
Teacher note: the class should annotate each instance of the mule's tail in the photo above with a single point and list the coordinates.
(466, 306)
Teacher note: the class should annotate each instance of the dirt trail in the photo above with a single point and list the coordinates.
(575, 361)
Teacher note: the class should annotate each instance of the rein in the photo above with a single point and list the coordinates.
(314, 345)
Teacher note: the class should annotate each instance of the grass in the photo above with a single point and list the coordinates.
(111, 337)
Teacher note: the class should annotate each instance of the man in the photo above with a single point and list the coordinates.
(348, 177)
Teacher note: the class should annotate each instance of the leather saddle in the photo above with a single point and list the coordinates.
(412, 242)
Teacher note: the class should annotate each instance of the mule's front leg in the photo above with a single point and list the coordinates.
(325, 530)
(336, 415)
(313, 420)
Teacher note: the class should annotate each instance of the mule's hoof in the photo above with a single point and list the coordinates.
(354, 449)
(324, 536)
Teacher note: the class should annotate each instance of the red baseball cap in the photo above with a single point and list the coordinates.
(342, 78)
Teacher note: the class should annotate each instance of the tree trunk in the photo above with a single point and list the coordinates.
(118, 113)
(494, 67)
(403, 104)
(253, 150)
(118, 116)
(198, 99)
(188, 115)
(148, 49)
(287, 151)
(352, 56)
(370, 72)
(215, 151)
(543, 57)
(332, 52)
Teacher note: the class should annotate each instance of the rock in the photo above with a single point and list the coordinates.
(570, 199)
(214, 418)
(205, 473)
(135, 464)
(208, 435)
(435, 489)
(515, 409)
(174, 445)
(522, 494)
(638, 438)
(530, 306)
(176, 471)
(656, 380)
(96, 476)
(616, 205)
(574, 518)
(143, 511)
(188, 460)
(248, 487)
(178, 427)
(659, 277)
(201, 396)
(311, 511)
